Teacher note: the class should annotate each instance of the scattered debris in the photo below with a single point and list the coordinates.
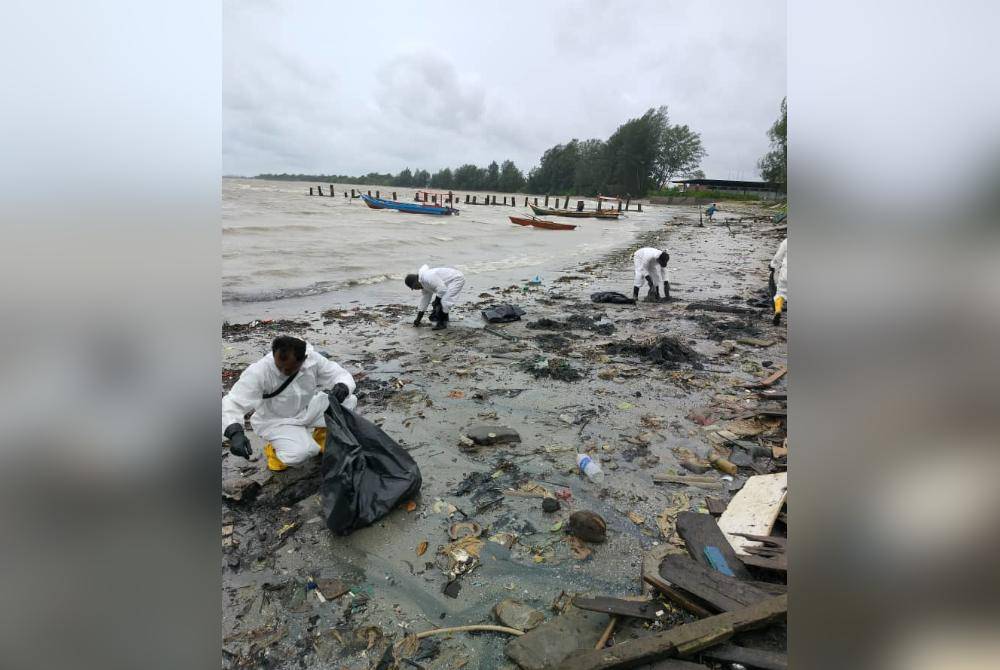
(664, 350)
(588, 526)
(486, 435)
(514, 614)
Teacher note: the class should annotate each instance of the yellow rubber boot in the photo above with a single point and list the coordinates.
(779, 304)
(273, 462)
(319, 435)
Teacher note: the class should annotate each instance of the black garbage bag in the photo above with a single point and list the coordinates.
(503, 313)
(612, 297)
(365, 474)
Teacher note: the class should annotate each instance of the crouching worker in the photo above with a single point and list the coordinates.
(285, 390)
(440, 284)
(650, 265)
(778, 281)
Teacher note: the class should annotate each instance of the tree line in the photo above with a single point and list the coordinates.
(643, 155)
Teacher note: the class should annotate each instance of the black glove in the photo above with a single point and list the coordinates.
(420, 316)
(339, 392)
(666, 290)
(239, 445)
(635, 292)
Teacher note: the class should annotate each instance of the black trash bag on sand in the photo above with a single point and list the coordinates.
(365, 474)
(503, 313)
(612, 297)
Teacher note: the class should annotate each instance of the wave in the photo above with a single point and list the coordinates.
(255, 230)
(319, 288)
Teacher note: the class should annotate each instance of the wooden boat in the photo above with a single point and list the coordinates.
(586, 214)
(538, 223)
(408, 207)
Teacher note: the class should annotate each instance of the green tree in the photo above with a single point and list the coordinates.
(442, 179)
(591, 174)
(404, 178)
(556, 170)
(680, 152)
(492, 181)
(511, 179)
(774, 165)
(467, 177)
(421, 178)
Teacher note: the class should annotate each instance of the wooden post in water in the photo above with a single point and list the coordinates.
(627, 201)
(434, 198)
(377, 195)
(394, 196)
(638, 206)
(546, 200)
(505, 201)
(565, 203)
(536, 202)
(451, 197)
(352, 193)
(310, 190)
(494, 200)
(473, 200)
(579, 205)
(619, 206)
(467, 196)
(332, 192)
(525, 201)
(319, 190)
(369, 194)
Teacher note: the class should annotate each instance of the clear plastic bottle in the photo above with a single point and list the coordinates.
(590, 468)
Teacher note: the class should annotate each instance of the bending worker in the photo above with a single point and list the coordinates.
(440, 284)
(284, 388)
(711, 211)
(779, 283)
(651, 265)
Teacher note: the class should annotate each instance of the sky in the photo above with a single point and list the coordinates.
(319, 87)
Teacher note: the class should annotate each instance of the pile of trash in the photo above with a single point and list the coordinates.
(664, 350)
(556, 368)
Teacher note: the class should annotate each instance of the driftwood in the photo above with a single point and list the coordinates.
(685, 640)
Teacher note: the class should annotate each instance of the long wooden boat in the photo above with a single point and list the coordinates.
(586, 214)
(408, 207)
(538, 223)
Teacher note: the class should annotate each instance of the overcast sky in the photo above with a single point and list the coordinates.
(324, 87)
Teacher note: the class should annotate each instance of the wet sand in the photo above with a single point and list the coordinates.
(423, 387)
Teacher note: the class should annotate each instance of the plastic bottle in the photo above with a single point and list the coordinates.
(590, 468)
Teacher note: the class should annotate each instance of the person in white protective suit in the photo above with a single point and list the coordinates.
(651, 265)
(442, 285)
(779, 279)
(286, 391)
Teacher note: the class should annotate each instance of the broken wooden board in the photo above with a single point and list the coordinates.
(685, 640)
(769, 380)
(721, 592)
(710, 483)
(754, 658)
(700, 531)
(640, 609)
(551, 642)
(754, 509)
(715, 506)
(650, 573)
(778, 563)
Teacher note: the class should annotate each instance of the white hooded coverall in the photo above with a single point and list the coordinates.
(780, 265)
(287, 419)
(647, 265)
(444, 283)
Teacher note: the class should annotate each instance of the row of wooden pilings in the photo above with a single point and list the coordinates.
(487, 200)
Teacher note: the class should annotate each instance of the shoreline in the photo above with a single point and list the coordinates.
(425, 387)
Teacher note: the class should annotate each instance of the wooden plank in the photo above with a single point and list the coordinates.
(700, 531)
(640, 609)
(650, 572)
(691, 480)
(754, 658)
(544, 647)
(719, 307)
(773, 540)
(715, 506)
(685, 640)
(778, 563)
(721, 592)
(769, 380)
(754, 509)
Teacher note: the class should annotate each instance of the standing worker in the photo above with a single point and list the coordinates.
(779, 284)
(441, 284)
(712, 209)
(285, 391)
(651, 265)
